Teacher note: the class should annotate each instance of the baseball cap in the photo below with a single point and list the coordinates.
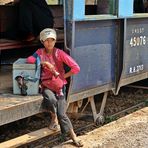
(47, 33)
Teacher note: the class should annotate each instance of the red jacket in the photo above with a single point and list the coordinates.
(58, 58)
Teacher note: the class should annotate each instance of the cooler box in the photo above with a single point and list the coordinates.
(21, 68)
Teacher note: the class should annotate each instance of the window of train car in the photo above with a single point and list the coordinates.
(54, 2)
(100, 7)
(140, 6)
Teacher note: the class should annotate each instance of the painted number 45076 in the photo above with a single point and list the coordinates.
(138, 41)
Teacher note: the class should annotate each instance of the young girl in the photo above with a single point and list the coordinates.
(53, 80)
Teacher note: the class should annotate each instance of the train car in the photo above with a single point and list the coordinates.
(134, 64)
(109, 42)
(92, 40)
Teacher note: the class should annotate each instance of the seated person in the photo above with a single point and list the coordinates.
(146, 6)
(140, 6)
(34, 16)
(53, 81)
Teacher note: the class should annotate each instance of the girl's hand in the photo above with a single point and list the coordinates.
(49, 65)
(51, 68)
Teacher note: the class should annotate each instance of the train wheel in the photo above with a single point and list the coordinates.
(100, 120)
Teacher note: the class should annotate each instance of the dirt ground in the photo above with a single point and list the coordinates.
(130, 131)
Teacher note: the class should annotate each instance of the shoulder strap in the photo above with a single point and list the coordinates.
(37, 70)
(55, 58)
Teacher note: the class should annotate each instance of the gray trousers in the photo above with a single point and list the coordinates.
(57, 105)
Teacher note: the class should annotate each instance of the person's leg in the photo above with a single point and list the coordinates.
(42, 16)
(25, 18)
(63, 119)
(65, 123)
(50, 104)
(34, 16)
(77, 142)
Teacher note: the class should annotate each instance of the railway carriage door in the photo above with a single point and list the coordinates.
(92, 41)
(135, 51)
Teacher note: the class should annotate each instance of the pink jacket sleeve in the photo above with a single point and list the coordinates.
(31, 60)
(68, 60)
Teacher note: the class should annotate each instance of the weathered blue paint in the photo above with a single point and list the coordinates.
(75, 9)
(96, 67)
(94, 48)
(125, 8)
(135, 55)
(78, 9)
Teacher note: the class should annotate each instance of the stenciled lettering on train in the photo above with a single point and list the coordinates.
(139, 38)
(136, 69)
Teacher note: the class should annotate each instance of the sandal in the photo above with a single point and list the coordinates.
(78, 143)
(53, 126)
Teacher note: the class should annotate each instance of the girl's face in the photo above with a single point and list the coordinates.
(49, 44)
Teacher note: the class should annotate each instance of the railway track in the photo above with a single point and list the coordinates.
(85, 123)
(92, 126)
